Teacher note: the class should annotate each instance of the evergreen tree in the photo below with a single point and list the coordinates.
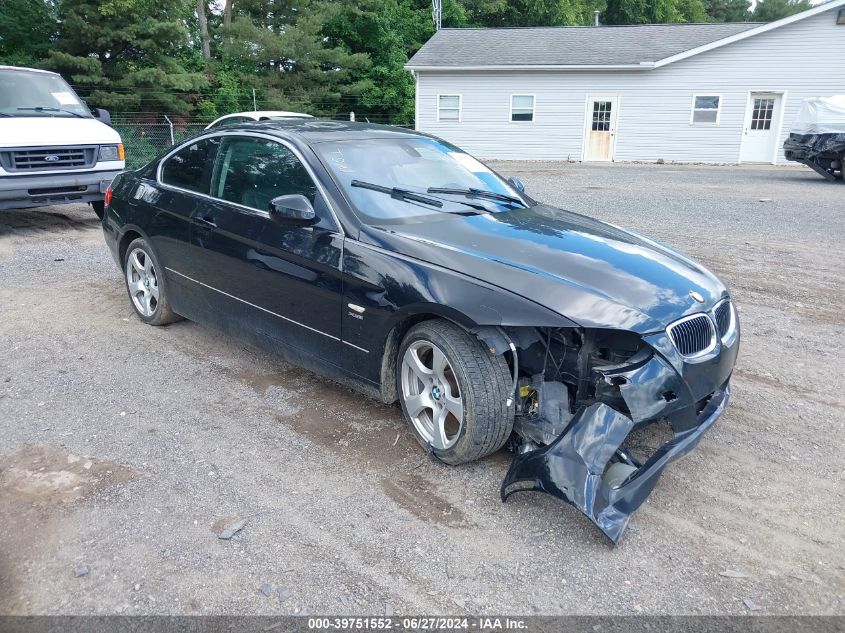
(27, 28)
(280, 46)
(326, 57)
(128, 54)
(654, 11)
(504, 13)
(771, 10)
(388, 32)
(728, 10)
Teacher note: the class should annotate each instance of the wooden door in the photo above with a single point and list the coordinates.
(600, 134)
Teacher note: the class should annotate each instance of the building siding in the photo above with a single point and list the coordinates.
(802, 59)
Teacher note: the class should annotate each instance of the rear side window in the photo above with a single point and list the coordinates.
(191, 167)
(253, 171)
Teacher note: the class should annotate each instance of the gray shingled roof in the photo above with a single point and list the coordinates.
(568, 45)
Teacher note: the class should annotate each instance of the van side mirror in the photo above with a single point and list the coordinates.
(294, 209)
(517, 184)
(103, 115)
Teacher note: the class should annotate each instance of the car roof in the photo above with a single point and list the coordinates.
(257, 114)
(316, 131)
(28, 70)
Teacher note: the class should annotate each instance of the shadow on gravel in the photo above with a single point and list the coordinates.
(29, 221)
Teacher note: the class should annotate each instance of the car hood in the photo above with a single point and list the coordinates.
(38, 131)
(593, 273)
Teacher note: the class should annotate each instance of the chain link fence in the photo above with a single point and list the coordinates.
(145, 137)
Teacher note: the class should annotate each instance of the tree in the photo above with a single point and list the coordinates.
(654, 11)
(202, 19)
(280, 46)
(326, 57)
(27, 28)
(504, 13)
(728, 10)
(771, 10)
(388, 32)
(128, 54)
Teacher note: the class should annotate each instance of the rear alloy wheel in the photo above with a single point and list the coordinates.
(145, 285)
(454, 392)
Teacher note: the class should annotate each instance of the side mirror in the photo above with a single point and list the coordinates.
(294, 209)
(517, 184)
(103, 115)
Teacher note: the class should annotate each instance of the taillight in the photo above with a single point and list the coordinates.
(107, 199)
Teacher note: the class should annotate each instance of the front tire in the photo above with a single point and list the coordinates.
(145, 284)
(454, 392)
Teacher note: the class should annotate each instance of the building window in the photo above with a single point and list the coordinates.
(448, 107)
(522, 107)
(761, 115)
(705, 109)
(601, 116)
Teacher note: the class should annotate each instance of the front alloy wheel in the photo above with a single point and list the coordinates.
(454, 392)
(431, 394)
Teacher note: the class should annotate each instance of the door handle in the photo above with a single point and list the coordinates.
(207, 221)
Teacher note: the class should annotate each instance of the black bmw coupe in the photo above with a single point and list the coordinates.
(394, 262)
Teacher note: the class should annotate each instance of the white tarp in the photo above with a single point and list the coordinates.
(821, 115)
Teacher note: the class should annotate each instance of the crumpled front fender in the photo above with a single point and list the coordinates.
(573, 467)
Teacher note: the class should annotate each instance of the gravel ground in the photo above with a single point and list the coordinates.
(125, 448)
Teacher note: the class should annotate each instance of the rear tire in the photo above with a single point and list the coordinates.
(99, 208)
(454, 392)
(145, 284)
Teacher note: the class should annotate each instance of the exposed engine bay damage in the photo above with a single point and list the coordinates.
(579, 396)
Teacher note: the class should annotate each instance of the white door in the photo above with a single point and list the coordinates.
(762, 122)
(600, 132)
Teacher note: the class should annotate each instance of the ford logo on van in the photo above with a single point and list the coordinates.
(51, 158)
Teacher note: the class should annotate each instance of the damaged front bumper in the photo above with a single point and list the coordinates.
(572, 468)
(587, 465)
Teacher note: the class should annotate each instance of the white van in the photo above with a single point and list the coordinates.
(53, 149)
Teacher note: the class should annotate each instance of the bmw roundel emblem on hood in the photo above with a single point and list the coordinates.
(696, 296)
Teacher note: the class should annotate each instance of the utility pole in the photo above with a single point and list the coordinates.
(254, 104)
(437, 13)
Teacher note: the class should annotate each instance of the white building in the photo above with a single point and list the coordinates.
(723, 93)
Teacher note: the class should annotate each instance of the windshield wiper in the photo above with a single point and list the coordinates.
(399, 194)
(50, 109)
(478, 193)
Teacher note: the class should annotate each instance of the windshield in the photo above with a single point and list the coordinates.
(25, 93)
(413, 164)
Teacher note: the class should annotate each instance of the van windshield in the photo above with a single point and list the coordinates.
(26, 93)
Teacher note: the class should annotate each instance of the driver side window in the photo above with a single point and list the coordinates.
(252, 171)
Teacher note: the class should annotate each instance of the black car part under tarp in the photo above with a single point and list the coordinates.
(574, 466)
(824, 153)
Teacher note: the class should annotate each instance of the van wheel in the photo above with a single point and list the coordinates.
(146, 285)
(99, 208)
(454, 392)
